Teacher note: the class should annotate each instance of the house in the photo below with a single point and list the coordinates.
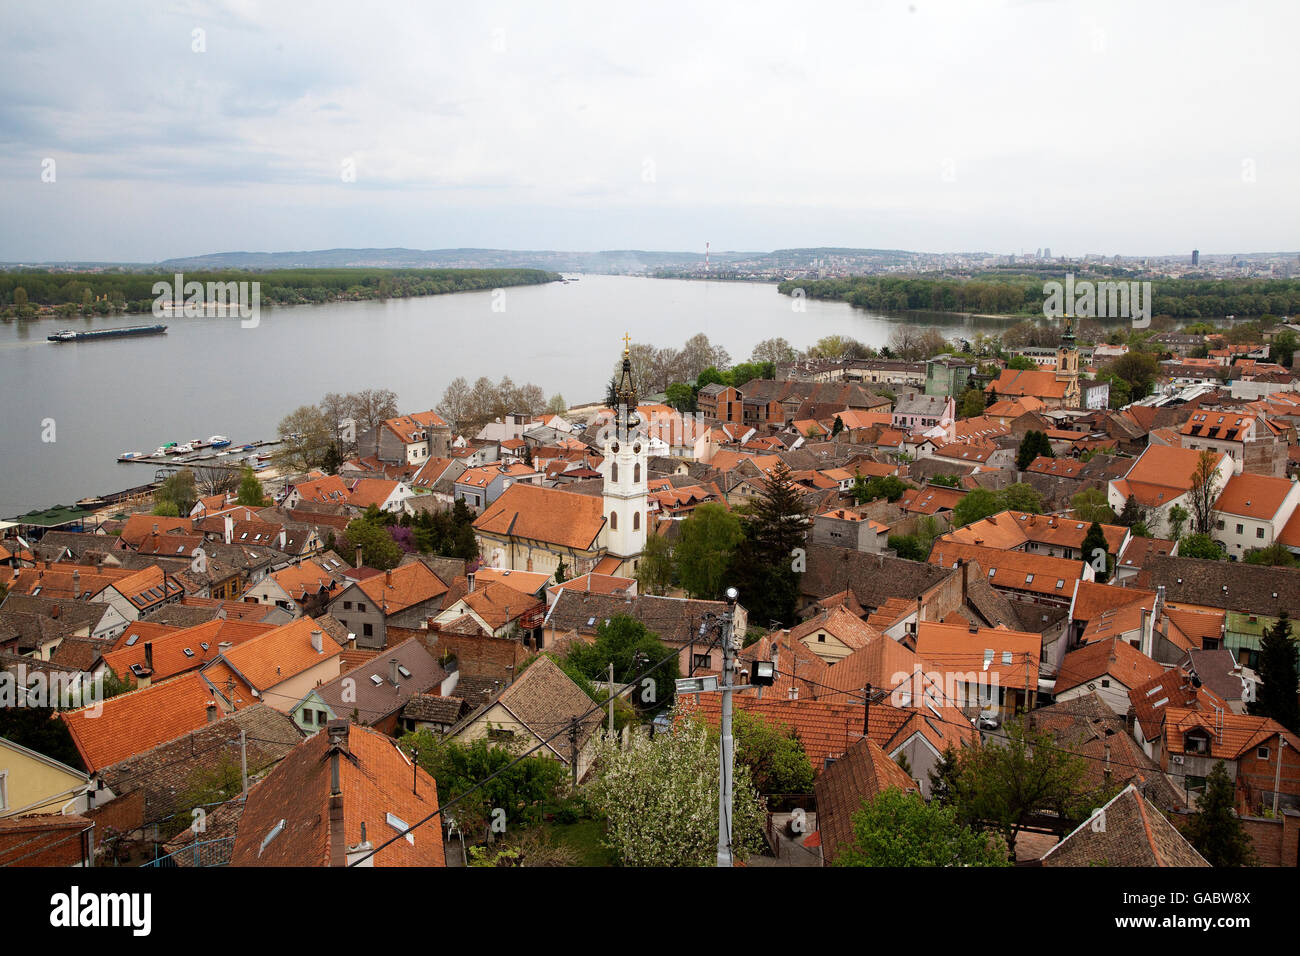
(160, 657)
(500, 610)
(849, 528)
(346, 797)
(1162, 477)
(1193, 741)
(277, 668)
(861, 774)
(299, 589)
(320, 490)
(919, 412)
(834, 634)
(540, 707)
(1109, 668)
(1051, 535)
(409, 439)
(375, 693)
(479, 487)
(1252, 511)
(405, 597)
(1173, 688)
(1128, 831)
(984, 667)
(1030, 577)
(32, 783)
(47, 840)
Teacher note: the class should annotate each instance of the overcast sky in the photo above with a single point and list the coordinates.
(999, 126)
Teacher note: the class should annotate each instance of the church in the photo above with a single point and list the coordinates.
(531, 528)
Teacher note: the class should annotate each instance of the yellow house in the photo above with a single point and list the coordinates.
(34, 783)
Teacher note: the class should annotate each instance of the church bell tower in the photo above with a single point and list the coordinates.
(1067, 366)
(626, 491)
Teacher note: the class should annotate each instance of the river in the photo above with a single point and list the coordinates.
(206, 376)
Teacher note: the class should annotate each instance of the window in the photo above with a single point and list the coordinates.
(4, 792)
(361, 608)
(636, 472)
(307, 716)
(347, 605)
(613, 521)
(702, 660)
(613, 472)
(821, 638)
(321, 717)
(500, 733)
(1261, 753)
(368, 630)
(1219, 524)
(1105, 682)
(636, 522)
(1259, 532)
(1241, 529)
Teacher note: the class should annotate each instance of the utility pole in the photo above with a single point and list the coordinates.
(243, 761)
(726, 751)
(1277, 774)
(866, 709)
(611, 698)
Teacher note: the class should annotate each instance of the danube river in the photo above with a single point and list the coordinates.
(208, 376)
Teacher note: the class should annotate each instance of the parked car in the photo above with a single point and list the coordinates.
(990, 719)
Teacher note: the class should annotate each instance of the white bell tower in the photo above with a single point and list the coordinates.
(626, 491)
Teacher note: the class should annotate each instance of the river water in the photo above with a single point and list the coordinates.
(208, 376)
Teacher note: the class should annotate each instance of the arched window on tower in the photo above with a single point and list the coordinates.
(613, 521)
(613, 472)
(636, 473)
(636, 521)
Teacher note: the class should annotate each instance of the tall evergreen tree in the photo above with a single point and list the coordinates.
(1033, 445)
(766, 566)
(1093, 542)
(1279, 673)
(1214, 829)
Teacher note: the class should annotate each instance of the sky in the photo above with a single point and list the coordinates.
(139, 132)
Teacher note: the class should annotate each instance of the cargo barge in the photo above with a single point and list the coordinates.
(71, 335)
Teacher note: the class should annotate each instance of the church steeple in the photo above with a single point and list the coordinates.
(625, 417)
(1067, 365)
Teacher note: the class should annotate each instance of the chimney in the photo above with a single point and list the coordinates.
(469, 577)
(76, 583)
(337, 731)
(213, 712)
(316, 643)
(148, 654)
(356, 853)
(284, 539)
(358, 561)
(388, 579)
(228, 529)
(392, 671)
(155, 527)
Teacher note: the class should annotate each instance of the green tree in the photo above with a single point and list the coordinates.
(1004, 784)
(972, 403)
(1279, 675)
(306, 436)
(889, 487)
(1091, 505)
(764, 567)
(1178, 516)
(1094, 547)
(837, 427)
(177, 490)
(1275, 555)
(900, 829)
(654, 570)
(1022, 497)
(1214, 829)
(1200, 546)
(1133, 513)
(250, 490)
(1035, 444)
(1021, 363)
(1139, 370)
(978, 503)
(773, 753)
(378, 549)
(943, 778)
(704, 550)
(660, 800)
(680, 396)
(633, 650)
(1203, 493)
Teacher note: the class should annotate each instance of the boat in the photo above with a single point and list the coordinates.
(219, 441)
(72, 335)
(159, 451)
(172, 448)
(186, 449)
(129, 456)
(198, 443)
(248, 448)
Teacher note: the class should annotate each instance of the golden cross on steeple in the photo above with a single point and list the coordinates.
(627, 343)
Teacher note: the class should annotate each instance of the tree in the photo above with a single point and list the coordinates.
(978, 503)
(943, 778)
(1005, 784)
(972, 403)
(1021, 363)
(705, 547)
(1094, 547)
(1202, 494)
(250, 490)
(889, 487)
(305, 438)
(455, 404)
(654, 570)
(1275, 555)
(1091, 505)
(775, 350)
(1021, 497)
(1284, 347)
(1035, 444)
(773, 753)
(1200, 546)
(660, 799)
(1214, 829)
(837, 427)
(370, 406)
(523, 791)
(632, 648)
(177, 492)
(1138, 369)
(1132, 513)
(1178, 516)
(680, 396)
(763, 568)
(378, 549)
(901, 829)
(1279, 675)
(556, 405)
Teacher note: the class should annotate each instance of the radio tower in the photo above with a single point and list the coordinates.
(706, 257)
